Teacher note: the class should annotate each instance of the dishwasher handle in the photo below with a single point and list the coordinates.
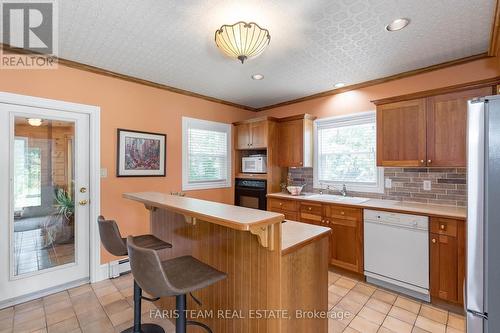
(411, 226)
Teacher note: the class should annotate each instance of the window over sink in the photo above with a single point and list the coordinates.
(345, 153)
(206, 154)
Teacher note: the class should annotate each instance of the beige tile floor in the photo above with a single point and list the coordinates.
(107, 307)
(368, 309)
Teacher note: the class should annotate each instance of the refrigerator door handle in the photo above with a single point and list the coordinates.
(475, 206)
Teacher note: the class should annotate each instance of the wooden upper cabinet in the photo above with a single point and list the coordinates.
(401, 133)
(446, 127)
(242, 136)
(252, 135)
(427, 131)
(258, 132)
(295, 141)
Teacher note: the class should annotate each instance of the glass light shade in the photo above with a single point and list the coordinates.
(35, 122)
(242, 40)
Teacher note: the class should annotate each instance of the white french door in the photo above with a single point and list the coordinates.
(44, 200)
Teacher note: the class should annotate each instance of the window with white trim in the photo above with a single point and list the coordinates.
(206, 154)
(345, 153)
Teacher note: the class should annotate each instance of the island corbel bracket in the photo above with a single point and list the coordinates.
(150, 208)
(265, 235)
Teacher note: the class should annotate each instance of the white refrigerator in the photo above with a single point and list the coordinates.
(482, 298)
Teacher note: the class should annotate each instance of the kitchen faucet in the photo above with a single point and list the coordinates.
(344, 190)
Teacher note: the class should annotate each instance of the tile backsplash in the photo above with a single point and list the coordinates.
(448, 185)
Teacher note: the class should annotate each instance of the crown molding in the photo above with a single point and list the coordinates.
(378, 81)
(105, 72)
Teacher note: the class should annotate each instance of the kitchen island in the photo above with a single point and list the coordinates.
(277, 272)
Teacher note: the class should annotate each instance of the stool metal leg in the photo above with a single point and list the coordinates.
(180, 321)
(138, 327)
(137, 307)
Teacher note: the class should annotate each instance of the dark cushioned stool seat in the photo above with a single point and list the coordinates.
(187, 274)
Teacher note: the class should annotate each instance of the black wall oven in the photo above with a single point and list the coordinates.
(250, 193)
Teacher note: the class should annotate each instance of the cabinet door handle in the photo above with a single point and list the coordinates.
(429, 161)
(342, 213)
(422, 161)
(281, 204)
(434, 240)
(309, 208)
(442, 227)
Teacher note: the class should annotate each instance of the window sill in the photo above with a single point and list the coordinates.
(205, 186)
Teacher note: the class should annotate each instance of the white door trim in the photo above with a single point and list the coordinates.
(94, 112)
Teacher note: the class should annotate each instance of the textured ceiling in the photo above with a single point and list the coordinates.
(314, 43)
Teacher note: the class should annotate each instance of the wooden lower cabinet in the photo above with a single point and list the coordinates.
(447, 259)
(346, 240)
(346, 245)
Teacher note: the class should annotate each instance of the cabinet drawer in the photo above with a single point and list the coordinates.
(280, 204)
(341, 212)
(311, 208)
(444, 226)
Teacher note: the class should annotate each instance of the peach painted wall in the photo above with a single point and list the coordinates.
(359, 100)
(131, 106)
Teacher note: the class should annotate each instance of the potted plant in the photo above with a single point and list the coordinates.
(65, 210)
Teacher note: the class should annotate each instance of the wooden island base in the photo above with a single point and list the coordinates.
(270, 265)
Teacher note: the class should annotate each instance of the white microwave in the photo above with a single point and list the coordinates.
(254, 164)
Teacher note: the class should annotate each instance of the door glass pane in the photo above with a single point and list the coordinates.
(43, 178)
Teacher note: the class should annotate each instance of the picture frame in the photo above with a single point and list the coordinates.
(141, 154)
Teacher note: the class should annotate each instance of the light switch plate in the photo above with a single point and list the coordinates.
(427, 185)
(388, 183)
(104, 173)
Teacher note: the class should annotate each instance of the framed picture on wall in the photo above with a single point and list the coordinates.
(141, 154)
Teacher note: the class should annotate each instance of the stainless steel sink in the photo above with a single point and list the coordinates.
(338, 198)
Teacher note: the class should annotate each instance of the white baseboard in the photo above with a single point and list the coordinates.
(112, 269)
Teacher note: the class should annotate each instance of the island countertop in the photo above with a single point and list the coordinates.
(234, 217)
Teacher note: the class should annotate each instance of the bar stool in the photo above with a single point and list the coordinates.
(113, 242)
(173, 277)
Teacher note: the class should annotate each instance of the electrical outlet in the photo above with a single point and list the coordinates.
(427, 185)
(388, 183)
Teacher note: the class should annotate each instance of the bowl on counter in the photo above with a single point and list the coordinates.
(295, 190)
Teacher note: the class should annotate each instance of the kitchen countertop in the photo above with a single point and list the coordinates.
(239, 218)
(295, 235)
(386, 205)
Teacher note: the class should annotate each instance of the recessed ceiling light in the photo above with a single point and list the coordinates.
(397, 24)
(339, 84)
(257, 77)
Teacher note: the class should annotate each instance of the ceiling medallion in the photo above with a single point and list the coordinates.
(242, 40)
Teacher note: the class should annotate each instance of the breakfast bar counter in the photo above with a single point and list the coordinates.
(277, 272)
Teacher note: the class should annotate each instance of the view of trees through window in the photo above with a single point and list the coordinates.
(207, 155)
(27, 175)
(347, 153)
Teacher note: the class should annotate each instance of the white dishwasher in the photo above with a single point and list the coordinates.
(396, 250)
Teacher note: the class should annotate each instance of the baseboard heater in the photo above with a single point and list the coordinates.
(118, 267)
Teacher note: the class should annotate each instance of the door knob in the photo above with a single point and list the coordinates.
(83, 190)
(83, 202)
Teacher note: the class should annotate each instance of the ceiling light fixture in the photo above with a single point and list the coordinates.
(339, 85)
(397, 24)
(35, 122)
(242, 40)
(257, 77)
